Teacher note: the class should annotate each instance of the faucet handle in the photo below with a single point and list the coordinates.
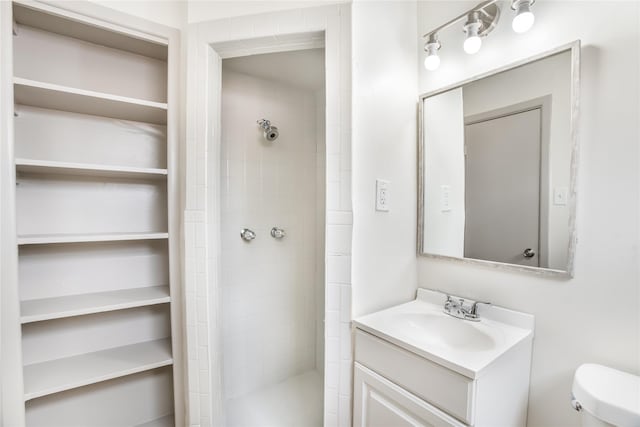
(474, 307)
(449, 302)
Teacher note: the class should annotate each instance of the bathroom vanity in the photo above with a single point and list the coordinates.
(416, 365)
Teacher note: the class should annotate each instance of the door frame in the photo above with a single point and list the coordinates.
(209, 42)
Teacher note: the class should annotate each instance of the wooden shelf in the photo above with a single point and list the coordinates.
(77, 305)
(46, 239)
(57, 97)
(166, 421)
(84, 169)
(42, 379)
(145, 44)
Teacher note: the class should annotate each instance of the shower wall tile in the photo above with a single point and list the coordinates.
(333, 297)
(264, 27)
(194, 406)
(339, 217)
(240, 28)
(331, 400)
(291, 22)
(331, 419)
(339, 239)
(333, 195)
(345, 304)
(345, 191)
(271, 284)
(344, 411)
(339, 268)
(333, 168)
(345, 378)
(346, 348)
(333, 376)
(332, 324)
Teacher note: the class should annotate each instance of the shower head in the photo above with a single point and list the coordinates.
(270, 132)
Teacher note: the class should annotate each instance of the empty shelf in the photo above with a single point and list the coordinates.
(77, 305)
(43, 239)
(84, 169)
(166, 421)
(135, 42)
(54, 376)
(57, 97)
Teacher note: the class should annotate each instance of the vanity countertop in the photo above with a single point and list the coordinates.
(463, 346)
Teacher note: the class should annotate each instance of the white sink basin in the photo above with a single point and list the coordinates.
(445, 331)
(466, 347)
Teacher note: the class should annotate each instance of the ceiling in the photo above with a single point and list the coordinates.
(299, 68)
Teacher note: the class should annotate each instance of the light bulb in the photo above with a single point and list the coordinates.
(523, 22)
(472, 44)
(524, 19)
(432, 62)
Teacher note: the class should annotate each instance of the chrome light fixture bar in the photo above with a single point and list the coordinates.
(480, 21)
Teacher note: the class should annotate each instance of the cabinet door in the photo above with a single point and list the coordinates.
(380, 403)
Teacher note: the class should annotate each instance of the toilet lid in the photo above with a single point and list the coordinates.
(610, 395)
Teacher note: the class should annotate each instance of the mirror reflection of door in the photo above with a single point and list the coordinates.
(502, 181)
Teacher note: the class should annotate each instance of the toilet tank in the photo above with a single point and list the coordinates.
(606, 396)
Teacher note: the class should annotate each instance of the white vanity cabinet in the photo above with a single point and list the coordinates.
(415, 366)
(380, 403)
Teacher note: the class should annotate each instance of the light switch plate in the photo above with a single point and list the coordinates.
(445, 198)
(382, 195)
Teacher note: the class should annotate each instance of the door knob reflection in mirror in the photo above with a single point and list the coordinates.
(529, 253)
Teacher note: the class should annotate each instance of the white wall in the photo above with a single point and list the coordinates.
(384, 146)
(593, 317)
(444, 164)
(204, 10)
(172, 13)
(268, 285)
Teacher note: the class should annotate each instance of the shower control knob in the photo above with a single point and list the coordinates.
(277, 233)
(247, 234)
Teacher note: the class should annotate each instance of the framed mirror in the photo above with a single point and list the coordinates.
(497, 166)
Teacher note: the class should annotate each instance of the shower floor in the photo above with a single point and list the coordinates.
(295, 402)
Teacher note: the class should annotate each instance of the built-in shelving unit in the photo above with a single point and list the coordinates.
(93, 204)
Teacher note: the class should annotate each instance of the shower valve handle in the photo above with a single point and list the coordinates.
(277, 233)
(247, 234)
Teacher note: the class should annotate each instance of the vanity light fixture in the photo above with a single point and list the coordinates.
(473, 42)
(480, 21)
(432, 61)
(524, 19)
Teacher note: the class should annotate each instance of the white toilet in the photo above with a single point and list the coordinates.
(606, 397)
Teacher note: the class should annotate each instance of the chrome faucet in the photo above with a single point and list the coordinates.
(456, 307)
